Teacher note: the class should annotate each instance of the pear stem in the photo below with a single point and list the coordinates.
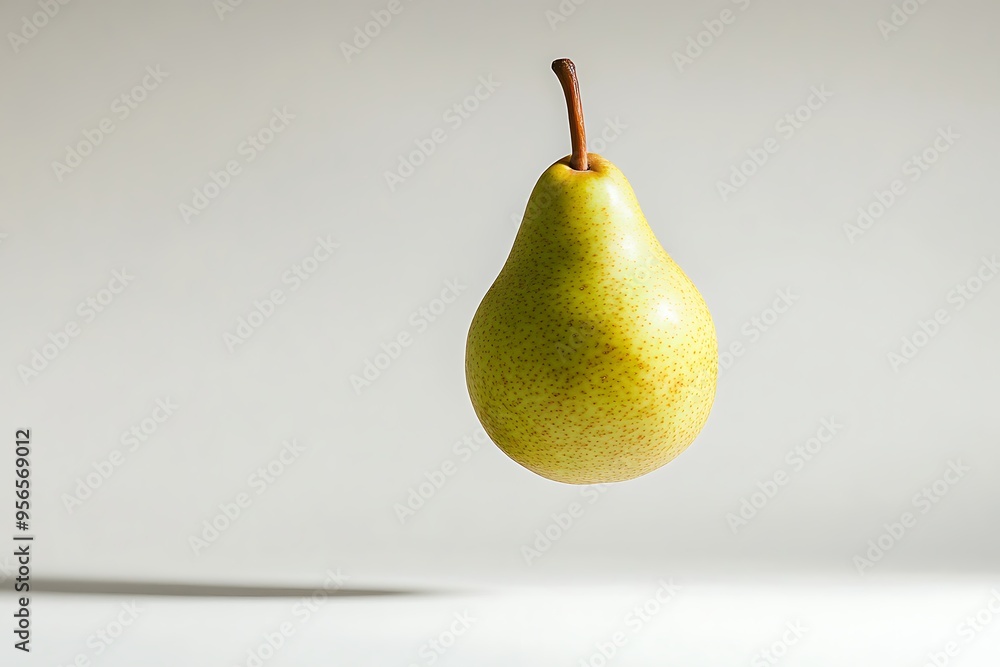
(566, 71)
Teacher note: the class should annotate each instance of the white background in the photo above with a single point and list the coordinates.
(454, 219)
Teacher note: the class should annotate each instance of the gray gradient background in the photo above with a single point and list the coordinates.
(163, 336)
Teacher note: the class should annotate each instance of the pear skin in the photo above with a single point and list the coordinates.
(593, 357)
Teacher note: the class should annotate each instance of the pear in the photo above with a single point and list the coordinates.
(593, 357)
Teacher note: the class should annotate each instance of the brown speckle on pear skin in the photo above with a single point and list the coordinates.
(592, 358)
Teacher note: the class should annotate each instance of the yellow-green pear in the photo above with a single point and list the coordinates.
(593, 357)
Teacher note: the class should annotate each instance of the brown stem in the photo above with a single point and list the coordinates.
(566, 71)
